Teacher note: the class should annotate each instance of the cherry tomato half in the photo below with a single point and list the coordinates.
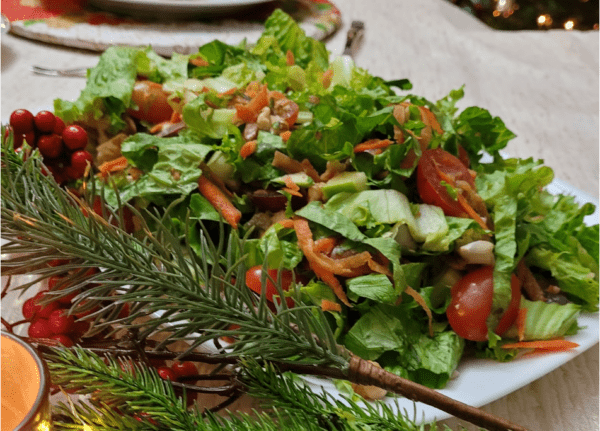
(435, 167)
(471, 305)
(151, 102)
(253, 281)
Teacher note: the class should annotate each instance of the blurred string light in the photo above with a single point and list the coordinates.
(534, 14)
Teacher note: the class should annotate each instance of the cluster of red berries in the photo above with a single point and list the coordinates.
(62, 147)
(49, 316)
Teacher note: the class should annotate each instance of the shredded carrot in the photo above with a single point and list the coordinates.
(377, 267)
(175, 117)
(325, 245)
(291, 166)
(306, 244)
(419, 299)
(429, 119)
(248, 112)
(276, 95)
(287, 223)
(372, 144)
(219, 201)
(291, 187)
(557, 345)
(285, 136)
(158, 127)
(327, 305)
(289, 58)
(520, 322)
(199, 62)
(470, 211)
(248, 149)
(326, 79)
(117, 164)
(229, 92)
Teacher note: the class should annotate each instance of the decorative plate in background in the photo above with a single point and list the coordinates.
(135, 22)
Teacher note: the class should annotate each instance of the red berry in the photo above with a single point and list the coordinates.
(80, 159)
(17, 141)
(21, 121)
(74, 137)
(58, 262)
(44, 121)
(61, 322)
(45, 310)
(167, 373)
(30, 309)
(79, 328)
(124, 311)
(29, 137)
(50, 146)
(63, 339)
(183, 369)
(59, 126)
(39, 328)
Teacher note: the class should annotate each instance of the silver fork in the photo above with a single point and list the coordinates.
(78, 72)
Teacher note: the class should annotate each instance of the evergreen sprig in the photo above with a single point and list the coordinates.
(145, 401)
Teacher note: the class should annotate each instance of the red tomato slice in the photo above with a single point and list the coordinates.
(152, 103)
(471, 305)
(437, 166)
(253, 281)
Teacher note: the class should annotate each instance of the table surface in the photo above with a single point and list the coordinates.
(544, 86)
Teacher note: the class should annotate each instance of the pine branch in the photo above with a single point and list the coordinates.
(146, 402)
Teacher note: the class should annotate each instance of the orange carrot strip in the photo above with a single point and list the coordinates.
(520, 322)
(291, 166)
(290, 183)
(557, 345)
(306, 244)
(289, 58)
(429, 119)
(218, 200)
(287, 223)
(419, 299)
(176, 117)
(199, 61)
(117, 164)
(377, 267)
(248, 149)
(326, 79)
(292, 192)
(248, 113)
(330, 280)
(158, 127)
(372, 144)
(325, 245)
(471, 212)
(285, 136)
(327, 305)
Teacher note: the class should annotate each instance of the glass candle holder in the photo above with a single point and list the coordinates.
(25, 387)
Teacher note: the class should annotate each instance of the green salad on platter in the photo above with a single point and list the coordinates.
(397, 215)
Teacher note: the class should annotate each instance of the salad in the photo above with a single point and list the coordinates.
(396, 215)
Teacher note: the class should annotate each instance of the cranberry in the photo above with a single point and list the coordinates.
(183, 369)
(80, 160)
(45, 310)
(80, 327)
(167, 373)
(58, 262)
(59, 126)
(30, 309)
(60, 322)
(63, 339)
(74, 137)
(50, 146)
(29, 137)
(44, 121)
(39, 328)
(21, 121)
(17, 141)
